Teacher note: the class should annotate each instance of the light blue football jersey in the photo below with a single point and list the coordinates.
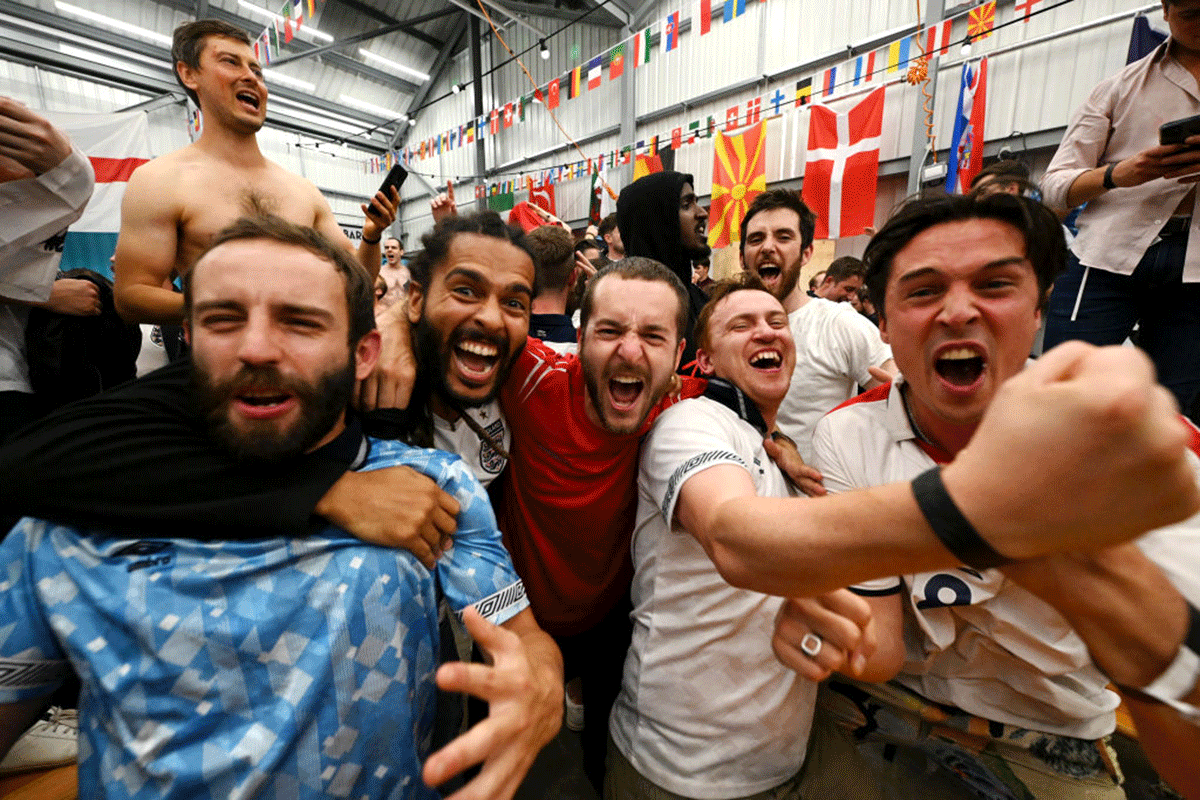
(274, 668)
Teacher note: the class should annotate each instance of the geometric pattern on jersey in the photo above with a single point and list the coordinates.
(267, 668)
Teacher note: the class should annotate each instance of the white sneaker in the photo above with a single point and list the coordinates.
(50, 742)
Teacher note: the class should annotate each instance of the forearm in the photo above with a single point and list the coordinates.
(800, 547)
(370, 256)
(149, 304)
(1088, 186)
(1170, 742)
(1119, 602)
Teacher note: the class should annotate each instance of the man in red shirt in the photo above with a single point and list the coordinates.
(567, 501)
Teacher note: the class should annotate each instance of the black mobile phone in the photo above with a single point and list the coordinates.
(395, 178)
(1176, 131)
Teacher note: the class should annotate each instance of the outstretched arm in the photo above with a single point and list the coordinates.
(523, 686)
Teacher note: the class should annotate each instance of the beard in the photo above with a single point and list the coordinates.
(321, 404)
(434, 353)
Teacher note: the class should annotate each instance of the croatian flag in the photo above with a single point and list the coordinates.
(116, 144)
(966, 148)
(842, 167)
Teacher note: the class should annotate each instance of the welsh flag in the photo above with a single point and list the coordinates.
(842, 166)
(116, 144)
(738, 177)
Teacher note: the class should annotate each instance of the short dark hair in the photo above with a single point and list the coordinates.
(360, 289)
(1045, 246)
(436, 243)
(587, 244)
(387, 239)
(642, 269)
(1006, 170)
(607, 224)
(845, 267)
(188, 42)
(782, 198)
(743, 281)
(553, 252)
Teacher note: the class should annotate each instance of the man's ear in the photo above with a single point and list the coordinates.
(704, 362)
(187, 331)
(806, 255)
(416, 302)
(366, 353)
(187, 75)
(679, 353)
(883, 331)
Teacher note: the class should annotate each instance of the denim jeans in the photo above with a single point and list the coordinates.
(1166, 311)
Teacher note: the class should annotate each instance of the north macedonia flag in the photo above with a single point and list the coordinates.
(738, 177)
(981, 21)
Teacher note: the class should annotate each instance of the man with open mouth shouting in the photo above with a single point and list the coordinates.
(992, 692)
(836, 348)
(176, 203)
(683, 726)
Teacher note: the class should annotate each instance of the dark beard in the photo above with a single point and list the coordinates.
(321, 404)
(433, 360)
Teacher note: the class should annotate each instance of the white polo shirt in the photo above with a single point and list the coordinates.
(974, 640)
(457, 437)
(835, 349)
(705, 710)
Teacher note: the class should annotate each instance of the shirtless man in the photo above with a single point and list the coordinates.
(176, 203)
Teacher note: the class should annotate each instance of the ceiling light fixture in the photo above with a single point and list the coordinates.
(380, 111)
(543, 50)
(454, 87)
(387, 62)
(92, 16)
(275, 76)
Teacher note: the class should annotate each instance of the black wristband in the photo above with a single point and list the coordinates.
(372, 241)
(956, 533)
(1108, 181)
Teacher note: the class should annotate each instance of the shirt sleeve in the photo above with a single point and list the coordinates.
(33, 211)
(139, 457)
(31, 662)
(1082, 146)
(685, 441)
(477, 570)
(839, 478)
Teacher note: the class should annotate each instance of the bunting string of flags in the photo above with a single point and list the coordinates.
(888, 63)
(282, 29)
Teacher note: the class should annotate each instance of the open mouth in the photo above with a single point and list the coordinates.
(265, 403)
(767, 360)
(624, 391)
(476, 359)
(960, 366)
(769, 273)
(249, 99)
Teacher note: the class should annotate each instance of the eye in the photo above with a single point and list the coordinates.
(464, 291)
(220, 321)
(304, 323)
(515, 303)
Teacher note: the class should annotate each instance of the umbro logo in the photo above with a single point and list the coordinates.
(149, 552)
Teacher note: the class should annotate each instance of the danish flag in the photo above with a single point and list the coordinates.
(842, 166)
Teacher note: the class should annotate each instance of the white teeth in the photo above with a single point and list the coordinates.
(959, 354)
(767, 358)
(479, 349)
(624, 379)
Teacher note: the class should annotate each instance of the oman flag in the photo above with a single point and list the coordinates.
(116, 144)
(842, 167)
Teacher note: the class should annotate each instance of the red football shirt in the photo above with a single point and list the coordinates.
(568, 499)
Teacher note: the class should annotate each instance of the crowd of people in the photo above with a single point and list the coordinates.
(383, 521)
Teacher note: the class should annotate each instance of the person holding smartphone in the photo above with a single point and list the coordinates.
(1136, 260)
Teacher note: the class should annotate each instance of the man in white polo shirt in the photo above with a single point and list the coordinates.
(706, 710)
(997, 696)
(836, 347)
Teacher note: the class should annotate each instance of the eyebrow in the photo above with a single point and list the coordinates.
(479, 277)
(287, 308)
(922, 272)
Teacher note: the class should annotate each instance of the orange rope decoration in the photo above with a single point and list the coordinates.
(918, 73)
(537, 91)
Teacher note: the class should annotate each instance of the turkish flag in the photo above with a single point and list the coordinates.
(842, 167)
(543, 197)
(552, 94)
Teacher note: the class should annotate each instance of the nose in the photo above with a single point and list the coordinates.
(629, 347)
(958, 307)
(700, 212)
(259, 343)
(489, 315)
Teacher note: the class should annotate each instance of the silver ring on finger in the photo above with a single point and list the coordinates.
(811, 644)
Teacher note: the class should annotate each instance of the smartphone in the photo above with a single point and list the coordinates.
(1176, 131)
(395, 178)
